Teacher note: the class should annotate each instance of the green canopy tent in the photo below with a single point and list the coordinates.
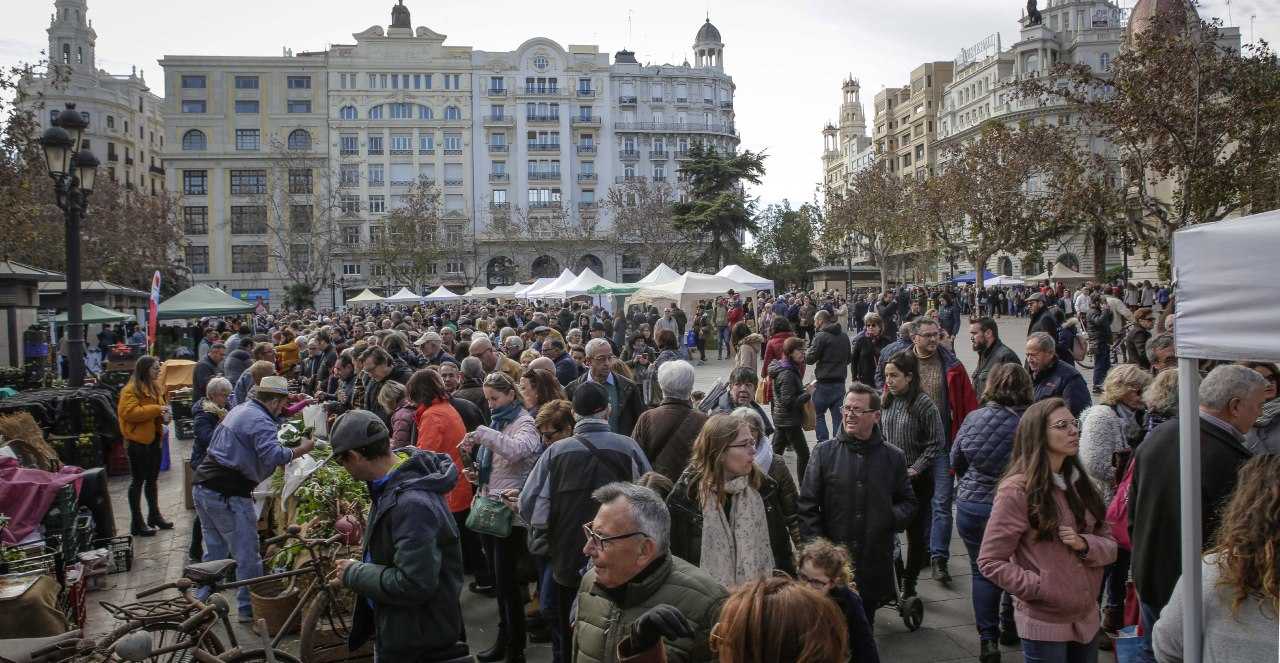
(92, 314)
(613, 290)
(201, 300)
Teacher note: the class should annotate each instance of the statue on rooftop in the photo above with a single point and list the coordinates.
(400, 16)
(1033, 13)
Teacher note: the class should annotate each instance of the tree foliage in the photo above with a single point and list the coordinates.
(783, 246)
(874, 213)
(306, 209)
(407, 248)
(718, 206)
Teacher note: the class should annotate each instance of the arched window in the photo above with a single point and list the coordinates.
(1006, 266)
(375, 113)
(452, 113)
(424, 113)
(194, 141)
(401, 111)
(1070, 260)
(347, 112)
(299, 139)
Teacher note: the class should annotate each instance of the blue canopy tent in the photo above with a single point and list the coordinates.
(970, 277)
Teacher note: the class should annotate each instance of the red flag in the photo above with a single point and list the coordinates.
(152, 311)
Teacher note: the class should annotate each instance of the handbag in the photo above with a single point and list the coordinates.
(810, 416)
(489, 516)
(764, 391)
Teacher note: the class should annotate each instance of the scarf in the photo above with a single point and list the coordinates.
(735, 548)
(501, 418)
(209, 406)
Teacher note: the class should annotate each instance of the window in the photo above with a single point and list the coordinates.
(194, 141)
(246, 82)
(195, 182)
(1105, 61)
(375, 113)
(300, 256)
(192, 106)
(249, 106)
(248, 182)
(347, 113)
(248, 219)
(452, 81)
(500, 197)
(377, 204)
(453, 267)
(401, 111)
(248, 259)
(299, 180)
(496, 84)
(299, 106)
(198, 259)
(376, 174)
(540, 62)
(351, 234)
(402, 174)
(193, 82)
(349, 144)
(453, 143)
(401, 143)
(247, 140)
(426, 81)
(584, 85)
(299, 82)
(350, 205)
(111, 122)
(351, 270)
(427, 143)
(452, 113)
(375, 144)
(300, 218)
(424, 113)
(299, 139)
(195, 220)
(349, 174)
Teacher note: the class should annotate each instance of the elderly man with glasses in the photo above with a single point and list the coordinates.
(636, 586)
(1053, 378)
(626, 399)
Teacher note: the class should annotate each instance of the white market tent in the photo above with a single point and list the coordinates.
(537, 283)
(405, 296)
(580, 285)
(687, 289)
(542, 293)
(508, 291)
(660, 274)
(1060, 273)
(478, 292)
(441, 294)
(366, 297)
(1224, 312)
(737, 273)
(1004, 280)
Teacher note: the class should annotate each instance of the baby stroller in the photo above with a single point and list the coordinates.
(910, 609)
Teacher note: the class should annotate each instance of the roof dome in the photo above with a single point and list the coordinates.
(707, 33)
(1144, 13)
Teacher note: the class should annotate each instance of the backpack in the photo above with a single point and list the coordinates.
(1118, 510)
(1079, 347)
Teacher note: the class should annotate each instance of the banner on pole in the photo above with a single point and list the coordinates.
(152, 310)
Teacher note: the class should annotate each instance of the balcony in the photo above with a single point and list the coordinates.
(629, 100)
(426, 150)
(542, 91)
(586, 121)
(499, 177)
(682, 154)
(497, 149)
(112, 156)
(345, 153)
(497, 92)
(542, 119)
(500, 206)
(726, 105)
(586, 177)
(682, 100)
(587, 205)
(544, 147)
(586, 149)
(544, 175)
(709, 102)
(401, 153)
(623, 179)
(453, 182)
(690, 127)
(453, 151)
(655, 100)
(658, 154)
(544, 204)
(128, 161)
(659, 178)
(375, 150)
(499, 120)
(631, 155)
(401, 182)
(156, 170)
(585, 93)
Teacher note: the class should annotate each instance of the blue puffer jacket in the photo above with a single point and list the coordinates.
(981, 451)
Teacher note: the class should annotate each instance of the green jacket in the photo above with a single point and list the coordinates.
(603, 622)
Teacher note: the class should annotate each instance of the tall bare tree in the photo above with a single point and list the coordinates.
(308, 208)
(410, 242)
(642, 224)
(874, 210)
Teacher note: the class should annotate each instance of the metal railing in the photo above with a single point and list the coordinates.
(586, 93)
(629, 154)
(544, 204)
(544, 147)
(499, 177)
(498, 149)
(451, 152)
(453, 182)
(586, 177)
(542, 118)
(628, 100)
(544, 175)
(699, 127)
(541, 90)
(586, 149)
(657, 154)
(586, 119)
(497, 92)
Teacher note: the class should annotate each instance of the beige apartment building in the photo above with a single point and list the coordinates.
(906, 120)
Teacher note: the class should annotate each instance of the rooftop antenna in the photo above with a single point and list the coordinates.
(628, 28)
(1251, 18)
(1229, 21)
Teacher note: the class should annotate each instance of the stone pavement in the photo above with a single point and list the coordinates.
(947, 633)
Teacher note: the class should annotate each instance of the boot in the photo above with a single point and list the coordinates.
(138, 524)
(940, 571)
(497, 652)
(154, 518)
(908, 587)
(990, 652)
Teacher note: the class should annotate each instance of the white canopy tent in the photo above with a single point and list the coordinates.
(1060, 273)
(545, 292)
(1004, 280)
(660, 274)
(478, 292)
(580, 285)
(740, 275)
(366, 297)
(442, 294)
(404, 296)
(1224, 312)
(537, 283)
(508, 291)
(687, 289)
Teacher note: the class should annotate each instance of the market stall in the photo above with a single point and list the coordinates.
(659, 274)
(556, 284)
(478, 292)
(971, 277)
(1059, 273)
(366, 297)
(688, 289)
(404, 296)
(442, 294)
(740, 275)
(201, 300)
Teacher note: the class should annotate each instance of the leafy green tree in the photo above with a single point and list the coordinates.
(718, 206)
(784, 242)
(874, 212)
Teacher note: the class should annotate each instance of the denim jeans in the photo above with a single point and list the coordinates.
(943, 491)
(1101, 363)
(1042, 651)
(828, 396)
(1148, 617)
(722, 349)
(230, 529)
(992, 607)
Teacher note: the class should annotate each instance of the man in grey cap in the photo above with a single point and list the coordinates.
(410, 575)
(429, 344)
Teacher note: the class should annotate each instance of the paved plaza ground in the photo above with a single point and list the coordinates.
(947, 633)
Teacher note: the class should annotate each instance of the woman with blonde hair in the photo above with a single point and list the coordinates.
(392, 398)
(727, 516)
(1161, 399)
(143, 411)
(1240, 577)
(826, 567)
(778, 620)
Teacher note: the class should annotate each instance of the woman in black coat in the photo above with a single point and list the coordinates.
(789, 397)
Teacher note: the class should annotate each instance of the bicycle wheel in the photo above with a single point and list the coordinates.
(167, 634)
(325, 627)
(257, 655)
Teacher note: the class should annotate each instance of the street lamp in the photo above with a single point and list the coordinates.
(74, 172)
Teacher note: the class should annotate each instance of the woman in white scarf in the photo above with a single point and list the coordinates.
(726, 515)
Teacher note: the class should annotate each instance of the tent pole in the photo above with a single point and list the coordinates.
(1189, 479)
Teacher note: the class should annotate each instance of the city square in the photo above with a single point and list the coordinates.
(419, 336)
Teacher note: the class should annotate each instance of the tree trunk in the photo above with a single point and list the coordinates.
(1099, 236)
(980, 269)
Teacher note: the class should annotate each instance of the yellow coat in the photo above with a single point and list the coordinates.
(287, 354)
(140, 415)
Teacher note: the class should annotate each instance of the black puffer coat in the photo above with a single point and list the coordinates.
(856, 493)
(789, 395)
(981, 451)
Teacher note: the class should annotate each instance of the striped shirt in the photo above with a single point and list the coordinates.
(916, 429)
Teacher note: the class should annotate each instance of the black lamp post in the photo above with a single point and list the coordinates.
(73, 171)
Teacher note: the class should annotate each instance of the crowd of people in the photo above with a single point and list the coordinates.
(560, 457)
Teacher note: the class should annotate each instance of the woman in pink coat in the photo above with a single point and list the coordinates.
(1047, 541)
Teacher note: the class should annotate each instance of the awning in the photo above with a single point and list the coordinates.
(366, 297)
(92, 314)
(404, 296)
(970, 277)
(201, 300)
(740, 275)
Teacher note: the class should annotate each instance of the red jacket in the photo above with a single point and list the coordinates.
(961, 398)
(440, 429)
(773, 350)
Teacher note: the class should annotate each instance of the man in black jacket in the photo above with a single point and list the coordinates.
(556, 498)
(867, 346)
(984, 334)
(1230, 400)
(207, 369)
(830, 352)
(1053, 378)
(381, 367)
(1042, 317)
(857, 494)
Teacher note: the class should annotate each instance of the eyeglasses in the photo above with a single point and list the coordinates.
(597, 541)
(813, 582)
(854, 412)
(716, 640)
(602, 358)
(546, 434)
(1064, 424)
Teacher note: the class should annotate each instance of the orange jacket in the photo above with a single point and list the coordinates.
(139, 414)
(287, 356)
(440, 429)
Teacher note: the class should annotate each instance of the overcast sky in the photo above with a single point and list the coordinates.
(786, 58)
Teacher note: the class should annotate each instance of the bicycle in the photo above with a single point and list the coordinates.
(1117, 348)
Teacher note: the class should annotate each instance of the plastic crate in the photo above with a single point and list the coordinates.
(72, 600)
(43, 556)
(60, 520)
(121, 548)
(84, 531)
(186, 428)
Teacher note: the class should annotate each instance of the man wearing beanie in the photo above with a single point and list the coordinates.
(556, 499)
